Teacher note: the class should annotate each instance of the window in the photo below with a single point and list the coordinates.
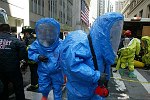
(49, 10)
(31, 5)
(43, 7)
(39, 6)
(35, 6)
(51, 7)
(55, 8)
(148, 11)
(60, 2)
(60, 16)
(134, 3)
(69, 13)
(141, 13)
(63, 5)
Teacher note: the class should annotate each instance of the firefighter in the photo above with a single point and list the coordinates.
(12, 51)
(125, 39)
(146, 49)
(45, 51)
(76, 56)
(127, 55)
(29, 39)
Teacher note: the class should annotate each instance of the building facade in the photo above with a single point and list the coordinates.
(27, 12)
(18, 12)
(101, 7)
(61, 10)
(119, 5)
(111, 7)
(98, 8)
(134, 8)
(81, 15)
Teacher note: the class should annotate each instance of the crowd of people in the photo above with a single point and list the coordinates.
(85, 59)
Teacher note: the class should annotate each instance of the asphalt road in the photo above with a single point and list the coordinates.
(130, 89)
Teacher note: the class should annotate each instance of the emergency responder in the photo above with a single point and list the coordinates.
(29, 39)
(45, 51)
(125, 39)
(145, 43)
(127, 55)
(12, 51)
(14, 32)
(76, 56)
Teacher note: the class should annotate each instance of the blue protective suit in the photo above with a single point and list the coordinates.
(76, 58)
(50, 75)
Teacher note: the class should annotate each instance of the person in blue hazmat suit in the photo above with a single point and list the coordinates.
(45, 51)
(76, 57)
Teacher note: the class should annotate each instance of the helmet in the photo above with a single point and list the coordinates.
(27, 29)
(127, 33)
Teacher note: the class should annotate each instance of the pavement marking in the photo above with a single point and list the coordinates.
(123, 96)
(142, 79)
(130, 80)
(120, 84)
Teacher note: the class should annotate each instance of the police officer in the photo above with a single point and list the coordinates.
(11, 52)
(29, 38)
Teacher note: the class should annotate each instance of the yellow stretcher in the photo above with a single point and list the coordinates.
(138, 64)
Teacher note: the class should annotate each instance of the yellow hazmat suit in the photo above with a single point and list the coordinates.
(146, 48)
(127, 55)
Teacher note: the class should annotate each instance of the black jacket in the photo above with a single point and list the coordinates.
(12, 50)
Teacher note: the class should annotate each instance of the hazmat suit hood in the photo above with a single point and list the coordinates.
(47, 32)
(105, 34)
(146, 40)
(146, 48)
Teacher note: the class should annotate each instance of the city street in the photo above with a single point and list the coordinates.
(68, 35)
(126, 89)
(130, 89)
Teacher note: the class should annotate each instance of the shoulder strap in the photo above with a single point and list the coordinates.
(93, 53)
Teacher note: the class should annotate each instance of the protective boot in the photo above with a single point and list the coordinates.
(132, 75)
(32, 88)
(121, 71)
(44, 98)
